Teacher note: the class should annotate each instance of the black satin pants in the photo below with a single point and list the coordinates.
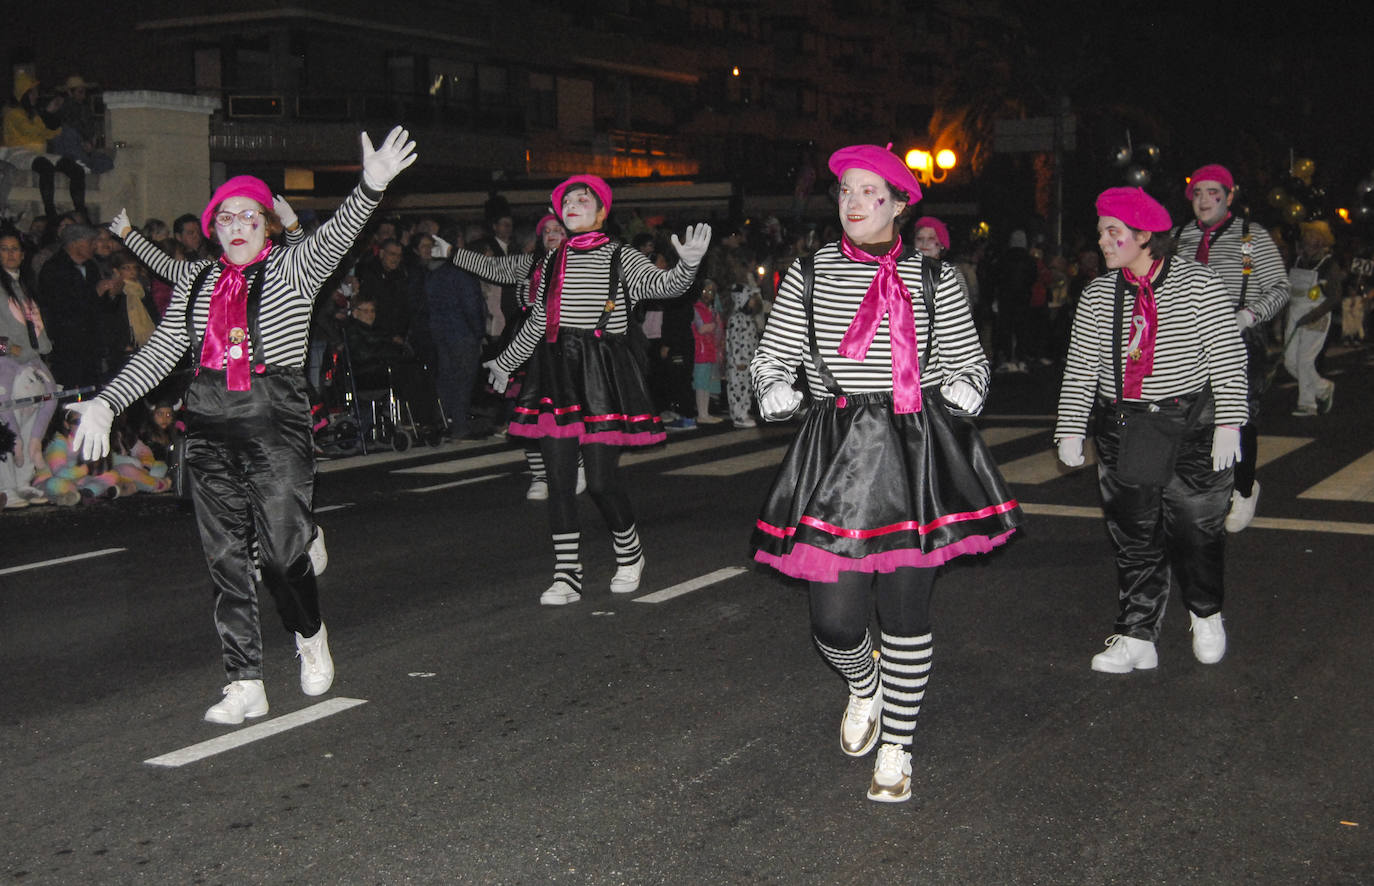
(1166, 534)
(252, 462)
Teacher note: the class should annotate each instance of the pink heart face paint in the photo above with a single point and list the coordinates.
(1119, 244)
(1210, 202)
(866, 208)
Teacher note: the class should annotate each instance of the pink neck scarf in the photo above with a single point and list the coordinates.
(226, 328)
(1204, 246)
(887, 294)
(582, 243)
(1140, 360)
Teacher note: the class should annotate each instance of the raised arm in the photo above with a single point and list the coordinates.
(507, 269)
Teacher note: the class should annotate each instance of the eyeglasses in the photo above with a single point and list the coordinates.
(247, 216)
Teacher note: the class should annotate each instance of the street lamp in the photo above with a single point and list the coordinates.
(930, 168)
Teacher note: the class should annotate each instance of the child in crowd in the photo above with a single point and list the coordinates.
(706, 333)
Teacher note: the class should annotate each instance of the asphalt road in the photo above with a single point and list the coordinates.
(692, 739)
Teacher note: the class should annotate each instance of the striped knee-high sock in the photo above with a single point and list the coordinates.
(567, 566)
(627, 549)
(534, 459)
(905, 666)
(855, 665)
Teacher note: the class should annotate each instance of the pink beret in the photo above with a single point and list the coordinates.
(544, 223)
(238, 186)
(878, 160)
(1212, 172)
(941, 232)
(596, 183)
(1134, 207)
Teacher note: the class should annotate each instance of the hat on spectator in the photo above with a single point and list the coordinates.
(1134, 207)
(239, 186)
(595, 183)
(76, 232)
(23, 82)
(1319, 229)
(1212, 172)
(877, 160)
(941, 232)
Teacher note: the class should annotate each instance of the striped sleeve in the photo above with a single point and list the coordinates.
(158, 357)
(310, 263)
(159, 262)
(1267, 293)
(509, 270)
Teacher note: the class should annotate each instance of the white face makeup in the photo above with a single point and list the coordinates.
(1121, 247)
(242, 238)
(553, 236)
(579, 210)
(1210, 202)
(867, 209)
(927, 243)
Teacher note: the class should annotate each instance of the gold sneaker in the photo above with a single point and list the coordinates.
(891, 775)
(861, 723)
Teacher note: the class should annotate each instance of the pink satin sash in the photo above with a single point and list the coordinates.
(887, 294)
(1140, 358)
(226, 328)
(582, 243)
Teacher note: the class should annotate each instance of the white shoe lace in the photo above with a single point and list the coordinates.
(888, 767)
(857, 713)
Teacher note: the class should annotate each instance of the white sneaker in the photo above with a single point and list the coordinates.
(539, 490)
(1242, 509)
(891, 775)
(12, 500)
(1126, 654)
(581, 481)
(242, 698)
(626, 578)
(317, 665)
(1209, 637)
(861, 723)
(746, 423)
(559, 594)
(319, 554)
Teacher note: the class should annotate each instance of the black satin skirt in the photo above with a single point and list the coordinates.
(864, 489)
(587, 386)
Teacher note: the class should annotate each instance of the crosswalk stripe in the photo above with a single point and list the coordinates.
(1354, 482)
(996, 436)
(59, 560)
(1271, 448)
(257, 732)
(728, 467)
(461, 465)
(467, 481)
(1334, 527)
(694, 584)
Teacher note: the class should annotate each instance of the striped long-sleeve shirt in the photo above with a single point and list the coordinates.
(1267, 293)
(952, 353)
(585, 287)
(1197, 343)
(294, 274)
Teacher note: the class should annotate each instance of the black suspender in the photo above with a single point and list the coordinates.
(259, 273)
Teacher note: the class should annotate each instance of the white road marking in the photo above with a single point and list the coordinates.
(1355, 482)
(327, 508)
(694, 584)
(466, 482)
(1005, 434)
(1271, 448)
(257, 732)
(1334, 527)
(9, 570)
(460, 465)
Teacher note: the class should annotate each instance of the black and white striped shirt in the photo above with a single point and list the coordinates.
(951, 354)
(1267, 293)
(294, 274)
(585, 287)
(1197, 343)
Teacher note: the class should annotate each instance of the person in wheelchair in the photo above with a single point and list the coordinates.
(378, 361)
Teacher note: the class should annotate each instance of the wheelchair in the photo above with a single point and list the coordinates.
(373, 415)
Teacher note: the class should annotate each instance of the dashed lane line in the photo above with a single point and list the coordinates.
(25, 567)
(256, 732)
(468, 481)
(694, 584)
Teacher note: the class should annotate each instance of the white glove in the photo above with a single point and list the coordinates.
(779, 402)
(119, 225)
(1245, 318)
(285, 212)
(383, 164)
(693, 245)
(962, 395)
(1071, 451)
(92, 437)
(1225, 447)
(497, 377)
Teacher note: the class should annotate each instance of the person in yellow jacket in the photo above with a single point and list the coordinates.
(27, 130)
